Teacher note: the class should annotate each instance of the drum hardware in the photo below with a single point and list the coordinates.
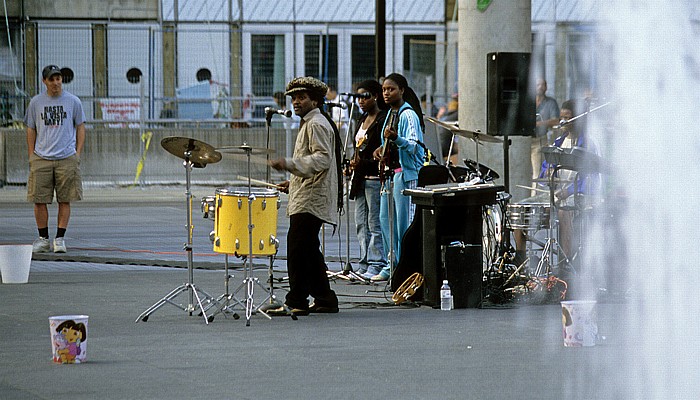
(477, 137)
(195, 154)
(226, 224)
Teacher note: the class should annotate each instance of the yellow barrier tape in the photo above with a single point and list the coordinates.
(145, 137)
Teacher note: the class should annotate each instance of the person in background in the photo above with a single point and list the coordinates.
(315, 193)
(365, 186)
(55, 137)
(338, 114)
(547, 116)
(568, 185)
(446, 137)
(433, 110)
(405, 136)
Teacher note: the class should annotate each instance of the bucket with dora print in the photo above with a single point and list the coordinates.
(69, 338)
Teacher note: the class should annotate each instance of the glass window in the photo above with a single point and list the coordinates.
(267, 64)
(362, 58)
(419, 60)
(321, 57)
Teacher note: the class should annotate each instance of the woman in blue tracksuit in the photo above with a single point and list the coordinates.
(404, 136)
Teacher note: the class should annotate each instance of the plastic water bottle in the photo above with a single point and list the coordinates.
(446, 303)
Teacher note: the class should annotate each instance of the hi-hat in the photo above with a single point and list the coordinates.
(198, 152)
(244, 149)
(454, 128)
(485, 171)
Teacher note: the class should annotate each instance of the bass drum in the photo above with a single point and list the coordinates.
(231, 221)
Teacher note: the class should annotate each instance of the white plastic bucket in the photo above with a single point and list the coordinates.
(69, 335)
(579, 320)
(15, 260)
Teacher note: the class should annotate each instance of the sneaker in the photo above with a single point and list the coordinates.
(372, 270)
(380, 277)
(59, 245)
(367, 275)
(41, 245)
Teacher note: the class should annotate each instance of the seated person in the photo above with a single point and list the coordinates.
(571, 183)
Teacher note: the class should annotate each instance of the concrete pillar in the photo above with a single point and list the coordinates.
(505, 26)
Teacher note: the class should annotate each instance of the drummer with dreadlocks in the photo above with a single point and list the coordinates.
(313, 197)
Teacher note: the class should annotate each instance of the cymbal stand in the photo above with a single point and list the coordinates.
(189, 286)
(544, 265)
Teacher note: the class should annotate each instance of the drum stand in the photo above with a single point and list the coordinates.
(189, 286)
(551, 245)
(249, 281)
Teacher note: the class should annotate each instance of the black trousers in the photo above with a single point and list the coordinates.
(305, 264)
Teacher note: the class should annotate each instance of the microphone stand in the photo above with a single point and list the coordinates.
(347, 271)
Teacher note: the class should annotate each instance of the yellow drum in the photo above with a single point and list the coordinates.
(231, 221)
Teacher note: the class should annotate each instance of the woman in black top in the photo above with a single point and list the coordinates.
(365, 186)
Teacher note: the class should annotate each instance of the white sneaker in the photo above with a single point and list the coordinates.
(59, 245)
(41, 245)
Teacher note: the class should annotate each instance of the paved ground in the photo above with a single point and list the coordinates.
(125, 253)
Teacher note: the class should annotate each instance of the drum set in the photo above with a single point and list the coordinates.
(244, 224)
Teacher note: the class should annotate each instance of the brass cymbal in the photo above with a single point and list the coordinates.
(449, 125)
(478, 136)
(453, 126)
(198, 152)
(244, 149)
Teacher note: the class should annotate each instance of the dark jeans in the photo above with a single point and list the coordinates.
(305, 264)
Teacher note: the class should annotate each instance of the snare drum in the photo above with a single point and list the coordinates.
(231, 221)
(528, 216)
(209, 207)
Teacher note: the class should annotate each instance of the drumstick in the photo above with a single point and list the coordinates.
(259, 182)
(533, 188)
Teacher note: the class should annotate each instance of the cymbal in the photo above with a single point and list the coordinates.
(478, 136)
(574, 158)
(258, 160)
(449, 125)
(200, 153)
(244, 149)
(453, 126)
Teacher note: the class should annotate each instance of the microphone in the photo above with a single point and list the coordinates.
(269, 112)
(339, 105)
(365, 95)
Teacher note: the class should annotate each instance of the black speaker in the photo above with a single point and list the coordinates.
(464, 273)
(510, 107)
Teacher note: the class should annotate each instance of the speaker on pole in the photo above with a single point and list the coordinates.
(510, 107)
